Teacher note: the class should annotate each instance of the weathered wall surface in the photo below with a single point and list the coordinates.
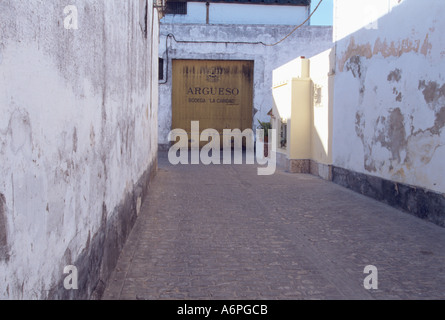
(78, 139)
(389, 103)
(390, 106)
(236, 42)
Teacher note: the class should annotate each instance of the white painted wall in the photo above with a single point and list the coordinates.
(235, 13)
(307, 41)
(78, 117)
(389, 102)
(322, 76)
(360, 14)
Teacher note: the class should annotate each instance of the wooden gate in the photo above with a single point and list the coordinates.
(218, 94)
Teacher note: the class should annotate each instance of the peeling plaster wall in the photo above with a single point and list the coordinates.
(389, 101)
(78, 139)
(307, 41)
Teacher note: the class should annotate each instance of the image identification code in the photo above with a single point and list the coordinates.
(225, 310)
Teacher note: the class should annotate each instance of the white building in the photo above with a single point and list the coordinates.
(262, 32)
(283, 12)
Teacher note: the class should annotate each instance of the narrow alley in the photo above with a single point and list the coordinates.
(344, 98)
(223, 232)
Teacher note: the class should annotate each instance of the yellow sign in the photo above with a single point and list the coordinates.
(218, 94)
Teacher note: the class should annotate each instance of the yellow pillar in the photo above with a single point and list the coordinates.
(300, 121)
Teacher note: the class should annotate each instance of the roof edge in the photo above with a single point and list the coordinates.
(303, 3)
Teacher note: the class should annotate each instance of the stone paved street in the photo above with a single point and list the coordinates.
(223, 232)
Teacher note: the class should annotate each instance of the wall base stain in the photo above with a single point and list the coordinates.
(422, 203)
(99, 258)
(307, 166)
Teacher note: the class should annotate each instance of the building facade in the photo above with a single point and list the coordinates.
(201, 37)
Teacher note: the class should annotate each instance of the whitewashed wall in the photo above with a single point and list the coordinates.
(307, 41)
(78, 118)
(234, 13)
(389, 104)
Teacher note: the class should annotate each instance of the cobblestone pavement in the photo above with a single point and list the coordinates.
(223, 232)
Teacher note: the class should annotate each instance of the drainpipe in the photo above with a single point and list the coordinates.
(207, 12)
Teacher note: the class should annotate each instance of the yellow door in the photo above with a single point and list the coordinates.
(218, 94)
